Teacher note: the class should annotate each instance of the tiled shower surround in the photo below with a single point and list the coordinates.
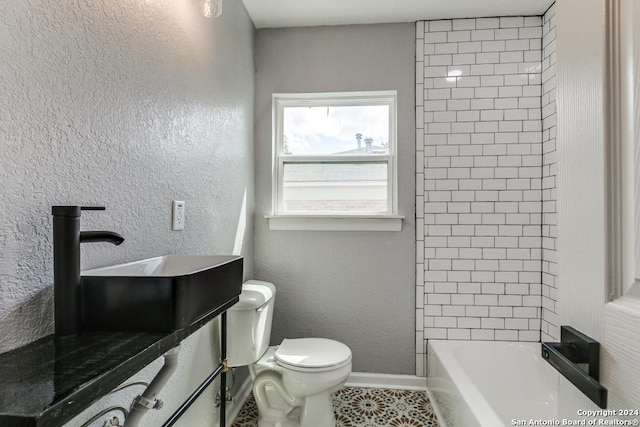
(479, 197)
(550, 325)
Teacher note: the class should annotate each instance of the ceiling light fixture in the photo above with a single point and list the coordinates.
(212, 8)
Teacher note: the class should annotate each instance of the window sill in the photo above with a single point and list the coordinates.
(335, 222)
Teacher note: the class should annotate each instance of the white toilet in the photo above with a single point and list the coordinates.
(292, 382)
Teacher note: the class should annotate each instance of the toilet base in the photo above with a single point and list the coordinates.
(280, 423)
(316, 411)
(288, 398)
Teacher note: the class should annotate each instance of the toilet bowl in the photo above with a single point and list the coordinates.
(293, 381)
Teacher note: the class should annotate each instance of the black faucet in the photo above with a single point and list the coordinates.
(66, 265)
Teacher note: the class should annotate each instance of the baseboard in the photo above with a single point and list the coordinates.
(405, 382)
(240, 397)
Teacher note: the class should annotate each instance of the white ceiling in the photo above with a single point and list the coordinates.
(304, 13)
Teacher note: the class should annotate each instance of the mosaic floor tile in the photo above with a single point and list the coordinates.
(365, 407)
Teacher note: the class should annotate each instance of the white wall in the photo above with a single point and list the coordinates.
(582, 287)
(581, 249)
(356, 287)
(128, 105)
(622, 316)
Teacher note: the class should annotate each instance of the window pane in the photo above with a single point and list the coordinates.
(335, 187)
(342, 130)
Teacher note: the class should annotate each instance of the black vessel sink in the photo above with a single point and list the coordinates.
(162, 294)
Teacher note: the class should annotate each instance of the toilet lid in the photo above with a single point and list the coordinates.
(312, 353)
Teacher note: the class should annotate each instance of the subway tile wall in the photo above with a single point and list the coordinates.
(550, 326)
(479, 200)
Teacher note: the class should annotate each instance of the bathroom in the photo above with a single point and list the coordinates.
(134, 104)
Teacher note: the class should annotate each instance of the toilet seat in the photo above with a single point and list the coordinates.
(312, 354)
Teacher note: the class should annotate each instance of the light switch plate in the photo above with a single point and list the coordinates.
(178, 215)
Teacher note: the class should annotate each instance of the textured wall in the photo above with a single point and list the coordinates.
(550, 329)
(582, 146)
(581, 197)
(479, 198)
(622, 316)
(622, 356)
(356, 287)
(581, 259)
(127, 104)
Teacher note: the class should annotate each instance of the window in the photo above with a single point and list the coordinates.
(622, 150)
(335, 161)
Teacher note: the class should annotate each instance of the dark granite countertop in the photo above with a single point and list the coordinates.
(48, 382)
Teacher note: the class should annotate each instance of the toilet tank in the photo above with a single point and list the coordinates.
(249, 323)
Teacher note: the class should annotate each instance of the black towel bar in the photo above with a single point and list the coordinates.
(573, 349)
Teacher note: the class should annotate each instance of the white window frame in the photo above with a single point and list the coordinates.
(279, 219)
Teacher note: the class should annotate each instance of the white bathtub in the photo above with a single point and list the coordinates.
(489, 383)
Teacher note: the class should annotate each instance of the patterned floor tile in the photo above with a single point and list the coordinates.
(365, 407)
